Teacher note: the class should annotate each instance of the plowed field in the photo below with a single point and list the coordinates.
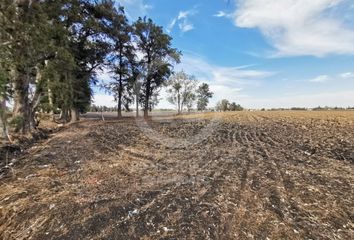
(247, 175)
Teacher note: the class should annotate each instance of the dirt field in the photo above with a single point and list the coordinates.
(247, 175)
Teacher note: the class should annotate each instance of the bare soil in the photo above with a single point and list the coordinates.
(250, 175)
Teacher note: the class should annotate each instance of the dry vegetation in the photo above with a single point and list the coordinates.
(257, 175)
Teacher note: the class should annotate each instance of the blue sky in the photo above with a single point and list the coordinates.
(260, 53)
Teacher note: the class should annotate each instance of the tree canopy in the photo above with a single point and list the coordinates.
(52, 50)
(181, 89)
(157, 58)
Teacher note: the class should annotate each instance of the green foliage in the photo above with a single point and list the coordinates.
(235, 107)
(3, 83)
(50, 51)
(203, 96)
(181, 89)
(122, 58)
(224, 105)
(157, 58)
(298, 109)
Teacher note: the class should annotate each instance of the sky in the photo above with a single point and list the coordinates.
(258, 53)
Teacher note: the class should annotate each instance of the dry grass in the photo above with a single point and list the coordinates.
(257, 175)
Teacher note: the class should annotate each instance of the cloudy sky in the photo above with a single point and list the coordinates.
(260, 53)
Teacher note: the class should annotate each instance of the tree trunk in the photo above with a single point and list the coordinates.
(22, 110)
(64, 115)
(61, 114)
(50, 100)
(178, 103)
(146, 113)
(75, 115)
(147, 98)
(120, 90)
(137, 105)
(3, 127)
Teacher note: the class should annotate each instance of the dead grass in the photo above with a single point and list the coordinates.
(258, 175)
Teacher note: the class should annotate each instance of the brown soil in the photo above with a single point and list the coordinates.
(257, 175)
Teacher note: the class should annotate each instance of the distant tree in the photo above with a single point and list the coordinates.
(157, 56)
(190, 98)
(181, 88)
(223, 105)
(203, 96)
(235, 107)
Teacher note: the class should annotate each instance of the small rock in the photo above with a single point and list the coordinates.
(167, 229)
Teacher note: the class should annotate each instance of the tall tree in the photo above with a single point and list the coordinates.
(203, 96)
(4, 80)
(136, 84)
(90, 25)
(120, 60)
(181, 89)
(157, 56)
(26, 33)
(52, 49)
(3, 97)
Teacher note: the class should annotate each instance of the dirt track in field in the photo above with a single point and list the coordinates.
(250, 175)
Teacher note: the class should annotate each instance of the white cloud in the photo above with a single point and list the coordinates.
(104, 75)
(228, 76)
(225, 82)
(183, 21)
(135, 8)
(298, 27)
(171, 25)
(185, 26)
(182, 14)
(186, 14)
(320, 79)
(346, 75)
(238, 75)
(332, 99)
(221, 14)
(104, 100)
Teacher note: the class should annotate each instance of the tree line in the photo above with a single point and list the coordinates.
(51, 51)
(224, 105)
(184, 91)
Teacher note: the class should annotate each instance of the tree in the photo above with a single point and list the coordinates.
(26, 32)
(3, 96)
(4, 88)
(90, 23)
(136, 91)
(203, 96)
(181, 88)
(235, 107)
(223, 105)
(36, 36)
(121, 58)
(157, 56)
(60, 77)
